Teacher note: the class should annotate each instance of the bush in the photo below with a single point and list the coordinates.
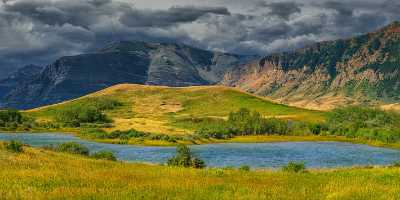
(198, 163)
(294, 167)
(244, 168)
(396, 164)
(185, 158)
(14, 146)
(74, 148)
(104, 155)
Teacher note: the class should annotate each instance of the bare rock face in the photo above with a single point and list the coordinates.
(122, 62)
(363, 69)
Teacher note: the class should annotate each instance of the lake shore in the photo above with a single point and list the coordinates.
(236, 139)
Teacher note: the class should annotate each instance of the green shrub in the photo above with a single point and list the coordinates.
(185, 158)
(14, 146)
(294, 167)
(74, 148)
(245, 168)
(104, 155)
(396, 164)
(198, 163)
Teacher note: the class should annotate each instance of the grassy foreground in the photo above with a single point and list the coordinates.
(41, 174)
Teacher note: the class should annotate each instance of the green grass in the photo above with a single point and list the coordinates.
(159, 109)
(42, 174)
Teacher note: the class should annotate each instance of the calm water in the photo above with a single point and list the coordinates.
(314, 154)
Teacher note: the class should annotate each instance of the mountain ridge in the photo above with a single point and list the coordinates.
(359, 70)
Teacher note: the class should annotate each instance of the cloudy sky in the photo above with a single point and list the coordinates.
(40, 31)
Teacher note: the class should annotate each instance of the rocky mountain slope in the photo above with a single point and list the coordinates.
(363, 69)
(21, 76)
(122, 62)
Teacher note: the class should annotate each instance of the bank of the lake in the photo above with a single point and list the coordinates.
(256, 155)
(42, 174)
(203, 141)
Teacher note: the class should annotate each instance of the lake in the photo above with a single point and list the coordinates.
(256, 155)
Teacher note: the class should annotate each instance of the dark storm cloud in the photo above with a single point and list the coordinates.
(282, 9)
(40, 31)
(172, 16)
(75, 12)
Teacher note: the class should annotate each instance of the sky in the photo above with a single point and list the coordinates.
(40, 31)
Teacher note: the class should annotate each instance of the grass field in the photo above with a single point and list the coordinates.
(41, 174)
(158, 109)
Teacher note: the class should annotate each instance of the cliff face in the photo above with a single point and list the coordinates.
(123, 62)
(363, 69)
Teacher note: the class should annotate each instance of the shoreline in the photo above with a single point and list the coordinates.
(238, 139)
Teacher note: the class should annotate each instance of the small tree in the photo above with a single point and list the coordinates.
(185, 158)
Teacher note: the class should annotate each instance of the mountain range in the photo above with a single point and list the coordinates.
(122, 62)
(359, 70)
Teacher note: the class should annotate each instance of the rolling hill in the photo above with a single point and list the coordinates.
(360, 70)
(160, 109)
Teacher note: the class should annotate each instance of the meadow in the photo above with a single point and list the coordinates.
(160, 110)
(42, 174)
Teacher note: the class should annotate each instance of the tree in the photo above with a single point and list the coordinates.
(185, 158)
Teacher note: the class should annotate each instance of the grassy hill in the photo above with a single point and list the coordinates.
(162, 110)
(42, 174)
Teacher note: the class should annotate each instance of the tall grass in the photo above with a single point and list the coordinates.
(40, 174)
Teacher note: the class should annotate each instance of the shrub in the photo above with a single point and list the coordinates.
(294, 167)
(185, 158)
(244, 168)
(396, 164)
(198, 163)
(14, 146)
(104, 155)
(74, 148)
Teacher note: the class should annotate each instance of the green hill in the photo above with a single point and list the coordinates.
(157, 109)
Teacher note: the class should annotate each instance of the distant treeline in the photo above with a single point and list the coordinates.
(13, 120)
(354, 121)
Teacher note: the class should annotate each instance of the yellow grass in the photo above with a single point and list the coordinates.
(40, 174)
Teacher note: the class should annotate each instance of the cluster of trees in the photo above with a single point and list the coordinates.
(244, 122)
(13, 120)
(368, 123)
(88, 111)
(353, 121)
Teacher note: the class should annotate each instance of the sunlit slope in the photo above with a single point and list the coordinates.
(156, 109)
